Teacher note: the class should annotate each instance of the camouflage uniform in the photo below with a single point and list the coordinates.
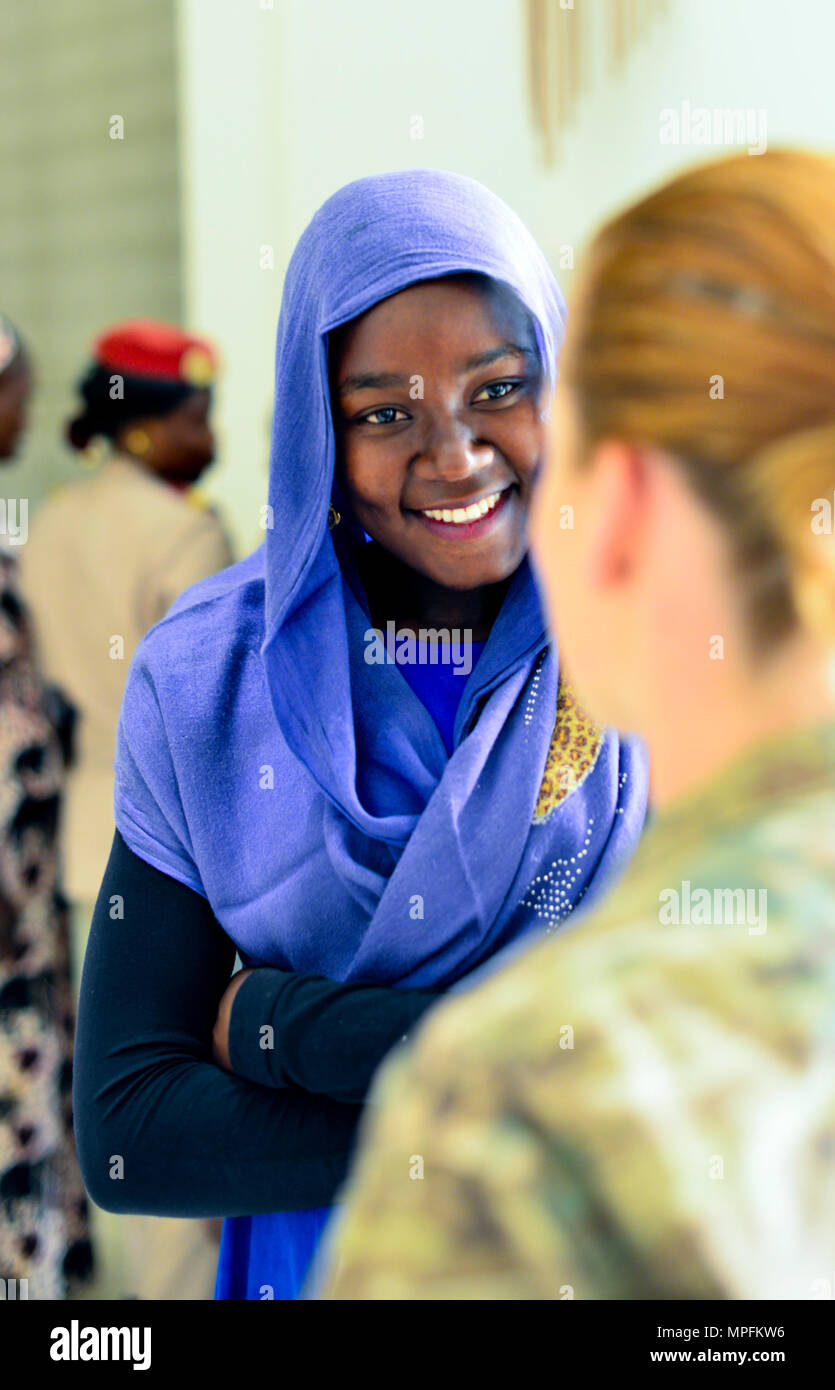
(632, 1108)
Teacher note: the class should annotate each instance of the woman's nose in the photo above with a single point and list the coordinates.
(454, 453)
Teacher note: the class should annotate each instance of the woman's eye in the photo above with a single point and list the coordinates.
(385, 415)
(497, 390)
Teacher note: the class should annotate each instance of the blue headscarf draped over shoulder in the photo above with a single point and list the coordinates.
(535, 806)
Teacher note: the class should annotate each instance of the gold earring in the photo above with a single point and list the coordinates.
(138, 442)
(94, 453)
(334, 517)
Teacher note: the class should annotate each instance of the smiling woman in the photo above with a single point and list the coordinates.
(438, 453)
(365, 834)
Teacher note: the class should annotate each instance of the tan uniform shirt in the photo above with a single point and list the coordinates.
(105, 559)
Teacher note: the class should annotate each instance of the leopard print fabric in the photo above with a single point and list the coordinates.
(44, 1214)
(575, 745)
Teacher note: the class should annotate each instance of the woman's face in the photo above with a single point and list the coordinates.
(15, 390)
(182, 443)
(437, 405)
(557, 550)
(578, 521)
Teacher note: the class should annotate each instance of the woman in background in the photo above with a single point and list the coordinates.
(44, 1216)
(109, 552)
(107, 556)
(681, 1143)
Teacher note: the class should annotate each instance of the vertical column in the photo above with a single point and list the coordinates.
(231, 160)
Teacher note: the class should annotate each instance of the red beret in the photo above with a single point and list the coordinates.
(145, 347)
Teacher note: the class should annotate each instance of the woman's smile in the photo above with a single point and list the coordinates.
(468, 521)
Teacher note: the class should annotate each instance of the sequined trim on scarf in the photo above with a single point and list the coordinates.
(575, 745)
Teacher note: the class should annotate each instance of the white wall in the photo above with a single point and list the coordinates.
(281, 105)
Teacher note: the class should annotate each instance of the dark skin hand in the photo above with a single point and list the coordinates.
(477, 430)
(220, 1032)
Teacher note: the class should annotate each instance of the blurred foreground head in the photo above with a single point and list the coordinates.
(15, 387)
(683, 526)
(147, 390)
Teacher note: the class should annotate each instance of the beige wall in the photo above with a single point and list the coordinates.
(89, 227)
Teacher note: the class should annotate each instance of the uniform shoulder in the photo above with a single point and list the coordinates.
(118, 488)
(724, 934)
(70, 495)
(514, 1013)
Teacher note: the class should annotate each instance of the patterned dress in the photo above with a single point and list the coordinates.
(643, 1105)
(44, 1236)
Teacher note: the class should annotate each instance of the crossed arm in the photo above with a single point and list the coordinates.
(180, 1110)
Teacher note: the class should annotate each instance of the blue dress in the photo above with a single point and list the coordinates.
(268, 1256)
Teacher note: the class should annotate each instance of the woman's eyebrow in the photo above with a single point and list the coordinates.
(377, 381)
(371, 381)
(483, 359)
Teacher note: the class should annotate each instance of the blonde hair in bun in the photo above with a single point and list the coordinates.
(704, 325)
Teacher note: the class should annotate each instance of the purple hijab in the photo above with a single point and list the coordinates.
(307, 794)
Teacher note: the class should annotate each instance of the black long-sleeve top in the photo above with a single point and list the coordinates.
(160, 1128)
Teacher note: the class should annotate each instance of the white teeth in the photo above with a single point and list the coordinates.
(459, 515)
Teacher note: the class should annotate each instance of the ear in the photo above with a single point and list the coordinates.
(142, 423)
(619, 477)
